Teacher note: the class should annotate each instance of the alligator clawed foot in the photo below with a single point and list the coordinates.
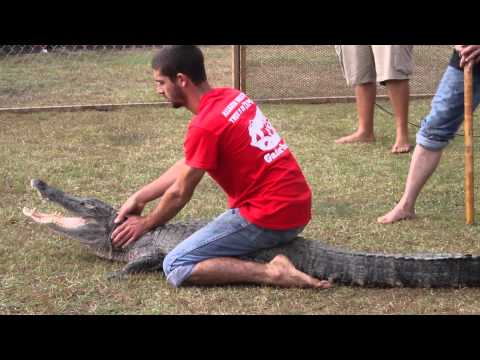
(117, 276)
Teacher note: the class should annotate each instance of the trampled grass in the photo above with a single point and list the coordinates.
(111, 154)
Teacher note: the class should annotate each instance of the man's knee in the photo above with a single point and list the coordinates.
(168, 262)
(439, 127)
(432, 143)
(176, 272)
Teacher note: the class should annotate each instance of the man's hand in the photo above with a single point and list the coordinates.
(130, 207)
(171, 202)
(468, 53)
(129, 232)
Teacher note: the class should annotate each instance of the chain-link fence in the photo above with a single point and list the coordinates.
(46, 76)
(286, 72)
(82, 75)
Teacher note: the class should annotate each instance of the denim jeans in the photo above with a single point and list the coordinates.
(446, 114)
(228, 235)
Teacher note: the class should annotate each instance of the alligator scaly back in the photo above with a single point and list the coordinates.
(94, 225)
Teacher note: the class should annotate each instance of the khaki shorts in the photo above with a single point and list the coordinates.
(363, 64)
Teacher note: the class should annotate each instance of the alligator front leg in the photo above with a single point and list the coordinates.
(141, 265)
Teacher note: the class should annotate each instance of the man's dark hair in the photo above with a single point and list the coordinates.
(186, 59)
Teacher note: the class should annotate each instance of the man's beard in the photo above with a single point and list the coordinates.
(178, 98)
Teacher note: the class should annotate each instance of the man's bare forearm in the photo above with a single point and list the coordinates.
(176, 196)
(158, 187)
(170, 205)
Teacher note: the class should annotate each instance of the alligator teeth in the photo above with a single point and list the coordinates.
(27, 212)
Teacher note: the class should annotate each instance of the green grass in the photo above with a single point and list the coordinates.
(111, 154)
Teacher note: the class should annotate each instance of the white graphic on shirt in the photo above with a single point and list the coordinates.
(263, 134)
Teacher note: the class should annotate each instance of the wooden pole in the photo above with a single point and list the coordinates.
(236, 66)
(468, 130)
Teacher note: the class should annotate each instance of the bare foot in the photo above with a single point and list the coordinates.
(355, 138)
(401, 148)
(285, 274)
(396, 214)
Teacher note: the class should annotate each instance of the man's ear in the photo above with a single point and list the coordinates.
(182, 80)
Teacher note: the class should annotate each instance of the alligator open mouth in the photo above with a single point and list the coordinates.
(57, 219)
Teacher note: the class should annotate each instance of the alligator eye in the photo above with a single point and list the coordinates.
(87, 205)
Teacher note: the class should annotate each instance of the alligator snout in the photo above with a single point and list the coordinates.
(41, 188)
(38, 184)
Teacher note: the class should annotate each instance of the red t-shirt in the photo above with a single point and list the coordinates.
(235, 143)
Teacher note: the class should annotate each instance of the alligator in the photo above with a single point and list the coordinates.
(93, 225)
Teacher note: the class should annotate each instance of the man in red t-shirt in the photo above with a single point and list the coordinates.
(230, 138)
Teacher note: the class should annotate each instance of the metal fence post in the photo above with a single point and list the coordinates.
(243, 68)
(236, 66)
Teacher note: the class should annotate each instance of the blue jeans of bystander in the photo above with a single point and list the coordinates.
(447, 111)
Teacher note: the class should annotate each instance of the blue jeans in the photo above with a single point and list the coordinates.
(228, 235)
(446, 114)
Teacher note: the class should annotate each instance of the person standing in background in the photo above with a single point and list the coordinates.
(390, 65)
(438, 128)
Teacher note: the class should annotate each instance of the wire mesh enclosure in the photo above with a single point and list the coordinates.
(313, 71)
(39, 76)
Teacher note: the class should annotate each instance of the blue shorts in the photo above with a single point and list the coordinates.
(228, 235)
(446, 114)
